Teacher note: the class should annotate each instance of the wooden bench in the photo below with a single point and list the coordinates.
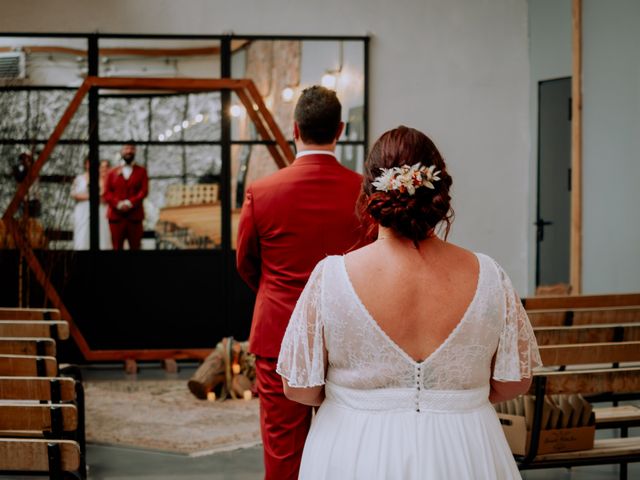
(40, 456)
(36, 401)
(582, 301)
(30, 314)
(27, 346)
(594, 383)
(28, 366)
(56, 329)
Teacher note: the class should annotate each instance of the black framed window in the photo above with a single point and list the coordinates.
(181, 137)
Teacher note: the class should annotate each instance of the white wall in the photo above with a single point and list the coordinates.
(611, 146)
(456, 69)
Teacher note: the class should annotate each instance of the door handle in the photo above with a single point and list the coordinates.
(540, 224)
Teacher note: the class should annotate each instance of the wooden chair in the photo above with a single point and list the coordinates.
(53, 457)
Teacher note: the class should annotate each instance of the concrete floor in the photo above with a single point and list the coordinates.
(118, 463)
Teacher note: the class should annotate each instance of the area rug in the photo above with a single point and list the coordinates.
(163, 415)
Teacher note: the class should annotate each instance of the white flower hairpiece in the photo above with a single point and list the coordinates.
(406, 178)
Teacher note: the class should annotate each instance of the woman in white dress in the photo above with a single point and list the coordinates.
(405, 343)
(80, 193)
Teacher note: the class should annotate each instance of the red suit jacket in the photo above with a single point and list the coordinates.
(134, 189)
(289, 222)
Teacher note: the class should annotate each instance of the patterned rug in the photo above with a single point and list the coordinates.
(163, 415)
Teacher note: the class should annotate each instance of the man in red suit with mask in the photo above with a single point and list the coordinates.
(125, 189)
(289, 222)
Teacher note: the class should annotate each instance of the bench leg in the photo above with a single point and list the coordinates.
(623, 471)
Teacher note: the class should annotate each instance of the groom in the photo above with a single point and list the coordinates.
(289, 222)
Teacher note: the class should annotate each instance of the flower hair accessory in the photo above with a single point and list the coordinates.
(406, 178)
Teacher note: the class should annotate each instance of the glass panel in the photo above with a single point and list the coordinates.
(166, 160)
(282, 69)
(351, 156)
(14, 119)
(122, 57)
(123, 119)
(47, 214)
(186, 206)
(167, 115)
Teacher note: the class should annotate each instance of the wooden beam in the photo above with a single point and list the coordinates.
(280, 160)
(155, 354)
(176, 84)
(129, 51)
(576, 150)
(275, 130)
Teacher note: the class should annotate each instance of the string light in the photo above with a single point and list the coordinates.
(185, 124)
(168, 133)
(287, 94)
(236, 110)
(161, 137)
(199, 118)
(329, 81)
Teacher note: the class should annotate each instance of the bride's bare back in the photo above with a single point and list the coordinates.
(417, 296)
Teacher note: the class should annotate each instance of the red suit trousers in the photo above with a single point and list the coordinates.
(130, 230)
(284, 424)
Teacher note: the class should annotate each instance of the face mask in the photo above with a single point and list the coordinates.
(128, 158)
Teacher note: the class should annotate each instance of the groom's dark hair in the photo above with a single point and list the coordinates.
(318, 113)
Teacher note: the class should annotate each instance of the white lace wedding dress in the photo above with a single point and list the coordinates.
(387, 416)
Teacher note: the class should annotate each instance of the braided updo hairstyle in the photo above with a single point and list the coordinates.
(412, 216)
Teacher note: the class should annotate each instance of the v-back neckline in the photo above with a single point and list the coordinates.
(392, 342)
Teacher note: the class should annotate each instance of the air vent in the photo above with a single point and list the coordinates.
(12, 65)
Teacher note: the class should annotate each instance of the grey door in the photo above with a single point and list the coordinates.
(554, 181)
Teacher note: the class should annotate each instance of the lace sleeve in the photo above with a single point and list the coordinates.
(517, 352)
(301, 359)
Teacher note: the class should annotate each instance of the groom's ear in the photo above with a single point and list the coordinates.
(296, 131)
(339, 131)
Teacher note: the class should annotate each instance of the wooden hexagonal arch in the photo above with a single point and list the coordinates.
(257, 111)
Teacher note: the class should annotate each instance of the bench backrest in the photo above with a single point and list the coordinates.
(30, 314)
(57, 329)
(57, 389)
(27, 346)
(33, 455)
(28, 366)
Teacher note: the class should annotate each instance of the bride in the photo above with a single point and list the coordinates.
(405, 343)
